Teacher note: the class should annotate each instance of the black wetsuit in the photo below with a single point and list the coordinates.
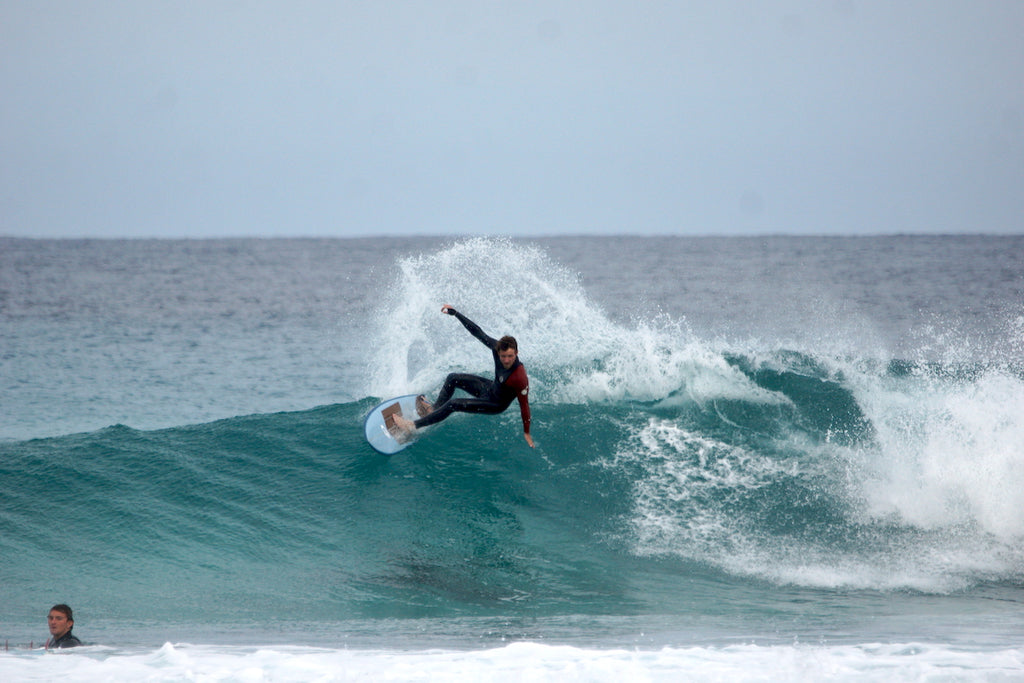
(490, 397)
(66, 640)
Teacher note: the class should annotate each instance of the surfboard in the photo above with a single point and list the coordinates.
(380, 420)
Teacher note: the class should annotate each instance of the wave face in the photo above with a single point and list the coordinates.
(673, 474)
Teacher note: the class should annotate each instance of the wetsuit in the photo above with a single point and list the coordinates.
(490, 397)
(66, 640)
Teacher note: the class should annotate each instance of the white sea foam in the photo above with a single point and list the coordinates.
(939, 489)
(524, 661)
(685, 496)
(951, 453)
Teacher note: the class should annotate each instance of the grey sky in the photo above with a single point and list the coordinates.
(218, 118)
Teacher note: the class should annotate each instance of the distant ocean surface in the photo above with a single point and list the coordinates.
(769, 458)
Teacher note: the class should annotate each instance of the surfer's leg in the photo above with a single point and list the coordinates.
(440, 412)
(474, 385)
(480, 388)
(479, 406)
(460, 405)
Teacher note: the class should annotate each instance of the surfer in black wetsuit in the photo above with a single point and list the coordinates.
(490, 397)
(61, 622)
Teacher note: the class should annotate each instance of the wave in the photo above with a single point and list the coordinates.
(662, 457)
(885, 459)
(819, 476)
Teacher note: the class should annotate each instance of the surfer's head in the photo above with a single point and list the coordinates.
(60, 620)
(508, 351)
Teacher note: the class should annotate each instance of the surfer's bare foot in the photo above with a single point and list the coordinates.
(403, 429)
(423, 408)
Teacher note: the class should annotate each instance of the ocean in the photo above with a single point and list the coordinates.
(758, 459)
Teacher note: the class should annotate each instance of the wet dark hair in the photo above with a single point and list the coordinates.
(508, 342)
(63, 609)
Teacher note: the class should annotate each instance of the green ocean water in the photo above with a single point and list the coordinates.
(693, 482)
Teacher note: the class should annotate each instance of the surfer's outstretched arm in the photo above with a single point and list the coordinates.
(473, 328)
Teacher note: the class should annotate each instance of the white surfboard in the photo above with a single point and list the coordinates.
(380, 430)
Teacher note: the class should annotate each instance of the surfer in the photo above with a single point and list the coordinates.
(490, 397)
(61, 622)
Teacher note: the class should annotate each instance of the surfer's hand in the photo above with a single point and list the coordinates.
(529, 440)
(448, 309)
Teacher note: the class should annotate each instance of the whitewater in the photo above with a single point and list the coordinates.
(757, 459)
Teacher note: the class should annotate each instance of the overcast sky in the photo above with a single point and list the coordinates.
(344, 118)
